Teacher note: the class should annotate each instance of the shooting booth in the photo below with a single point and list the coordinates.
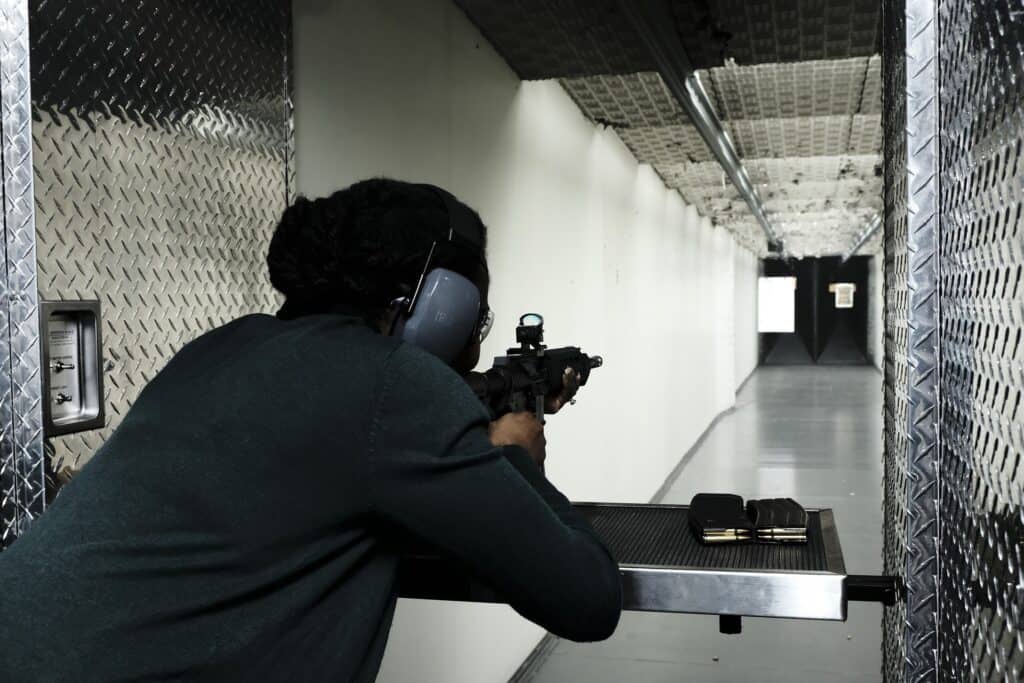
(144, 170)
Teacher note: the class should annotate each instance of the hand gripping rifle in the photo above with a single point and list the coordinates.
(521, 380)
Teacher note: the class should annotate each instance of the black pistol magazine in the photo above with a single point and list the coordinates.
(778, 520)
(720, 518)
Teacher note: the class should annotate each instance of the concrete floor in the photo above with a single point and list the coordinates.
(812, 433)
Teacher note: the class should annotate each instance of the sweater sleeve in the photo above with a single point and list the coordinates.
(436, 474)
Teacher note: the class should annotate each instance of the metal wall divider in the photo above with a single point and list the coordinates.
(22, 470)
(954, 499)
(148, 164)
(922, 530)
(910, 117)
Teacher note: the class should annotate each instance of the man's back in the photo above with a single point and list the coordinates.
(226, 519)
(239, 524)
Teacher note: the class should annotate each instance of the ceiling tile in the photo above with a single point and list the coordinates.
(803, 137)
(871, 100)
(865, 134)
(767, 31)
(666, 145)
(560, 38)
(819, 88)
(628, 101)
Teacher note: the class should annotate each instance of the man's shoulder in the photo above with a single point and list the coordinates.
(421, 378)
(334, 333)
(411, 363)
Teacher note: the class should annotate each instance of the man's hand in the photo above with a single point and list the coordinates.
(554, 401)
(520, 429)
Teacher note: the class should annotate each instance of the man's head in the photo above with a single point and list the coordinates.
(365, 246)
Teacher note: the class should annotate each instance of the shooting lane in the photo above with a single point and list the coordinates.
(638, 172)
(831, 317)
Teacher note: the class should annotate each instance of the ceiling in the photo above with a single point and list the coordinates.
(796, 84)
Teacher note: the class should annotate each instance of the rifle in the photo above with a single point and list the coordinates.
(520, 380)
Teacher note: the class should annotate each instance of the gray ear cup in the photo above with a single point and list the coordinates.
(446, 312)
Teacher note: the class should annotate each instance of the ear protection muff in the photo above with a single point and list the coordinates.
(444, 310)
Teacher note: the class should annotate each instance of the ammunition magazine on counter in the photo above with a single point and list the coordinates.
(722, 518)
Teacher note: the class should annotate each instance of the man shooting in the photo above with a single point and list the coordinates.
(246, 519)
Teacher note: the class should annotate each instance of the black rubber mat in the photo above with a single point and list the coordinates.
(661, 536)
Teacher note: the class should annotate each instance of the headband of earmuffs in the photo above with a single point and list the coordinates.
(461, 219)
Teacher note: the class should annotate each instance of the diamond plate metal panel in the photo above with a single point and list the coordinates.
(774, 91)
(22, 471)
(768, 31)
(981, 497)
(560, 38)
(922, 528)
(911, 376)
(162, 150)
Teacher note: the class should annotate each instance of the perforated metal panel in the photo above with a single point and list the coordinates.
(814, 88)
(788, 171)
(769, 31)
(804, 83)
(808, 136)
(667, 145)
(981, 497)
(162, 150)
(561, 38)
(628, 101)
(661, 536)
(818, 204)
(865, 135)
(844, 87)
(871, 98)
(814, 234)
(814, 169)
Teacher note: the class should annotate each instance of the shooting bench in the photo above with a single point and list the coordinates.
(665, 568)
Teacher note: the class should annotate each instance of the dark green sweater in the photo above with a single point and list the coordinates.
(242, 522)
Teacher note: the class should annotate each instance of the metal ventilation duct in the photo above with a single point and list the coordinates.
(652, 21)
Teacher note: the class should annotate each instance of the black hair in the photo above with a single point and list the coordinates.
(360, 248)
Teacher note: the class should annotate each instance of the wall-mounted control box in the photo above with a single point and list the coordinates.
(72, 366)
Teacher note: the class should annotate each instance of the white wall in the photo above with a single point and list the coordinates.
(578, 232)
(876, 310)
(744, 312)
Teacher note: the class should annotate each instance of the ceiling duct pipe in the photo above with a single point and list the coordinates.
(869, 230)
(655, 23)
